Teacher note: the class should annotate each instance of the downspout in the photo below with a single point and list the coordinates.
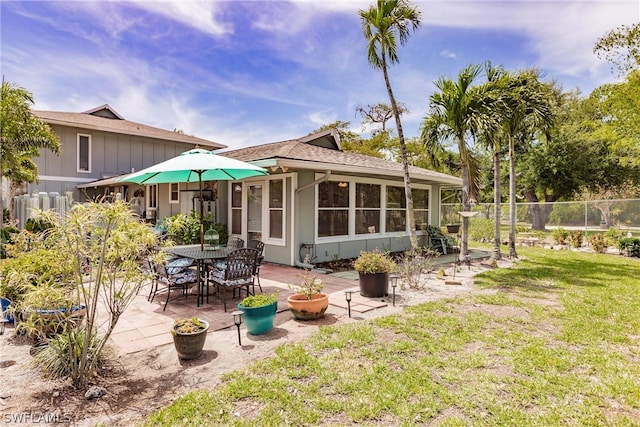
(327, 175)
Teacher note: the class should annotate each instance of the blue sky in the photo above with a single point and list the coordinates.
(243, 73)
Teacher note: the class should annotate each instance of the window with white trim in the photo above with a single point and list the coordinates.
(236, 208)
(420, 207)
(276, 209)
(333, 209)
(152, 200)
(84, 153)
(368, 208)
(396, 214)
(174, 193)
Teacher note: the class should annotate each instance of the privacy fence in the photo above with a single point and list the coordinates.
(25, 206)
(583, 215)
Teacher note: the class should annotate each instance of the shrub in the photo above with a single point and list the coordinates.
(560, 236)
(599, 243)
(373, 262)
(631, 245)
(576, 238)
(183, 228)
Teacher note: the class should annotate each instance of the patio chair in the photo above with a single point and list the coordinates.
(234, 243)
(238, 274)
(162, 277)
(259, 246)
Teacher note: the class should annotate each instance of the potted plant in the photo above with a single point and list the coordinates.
(189, 335)
(373, 268)
(453, 228)
(259, 312)
(308, 303)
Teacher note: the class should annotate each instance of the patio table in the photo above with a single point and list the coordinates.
(200, 256)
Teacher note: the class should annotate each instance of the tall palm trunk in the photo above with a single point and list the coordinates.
(497, 197)
(512, 199)
(466, 207)
(411, 222)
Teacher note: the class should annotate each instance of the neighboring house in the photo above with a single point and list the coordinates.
(99, 144)
(322, 203)
(318, 203)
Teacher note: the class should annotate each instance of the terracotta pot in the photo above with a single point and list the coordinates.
(308, 309)
(189, 346)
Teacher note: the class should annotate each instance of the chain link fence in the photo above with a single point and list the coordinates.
(589, 215)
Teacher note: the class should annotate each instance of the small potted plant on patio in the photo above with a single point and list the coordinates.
(373, 268)
(308, 303)
(259, 312)
(189, 336)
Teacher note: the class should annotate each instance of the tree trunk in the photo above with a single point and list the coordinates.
(512, 200)
(466, 207)
(411, 222)
(497, 196)
(539, 212)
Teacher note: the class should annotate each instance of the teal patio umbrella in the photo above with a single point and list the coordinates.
(195, 165)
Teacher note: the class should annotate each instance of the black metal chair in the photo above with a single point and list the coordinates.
(237, 274)
(170, 280)
(235, 242)
(259, 246)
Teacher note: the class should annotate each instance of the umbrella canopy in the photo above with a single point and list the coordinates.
(195, 165)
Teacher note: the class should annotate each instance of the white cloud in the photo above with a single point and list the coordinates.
(448, 54)
(202, 15)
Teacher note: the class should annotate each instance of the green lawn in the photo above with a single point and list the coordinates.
(557, 343)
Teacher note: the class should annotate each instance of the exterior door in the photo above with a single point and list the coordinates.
(254, 211)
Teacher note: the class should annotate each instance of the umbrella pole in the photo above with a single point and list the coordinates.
(201, 213)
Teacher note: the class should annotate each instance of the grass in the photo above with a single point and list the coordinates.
(553, 341)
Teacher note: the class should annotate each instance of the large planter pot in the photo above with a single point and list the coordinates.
(374, 285)
(190, 345)
(49, 322)
(259, 320)
(308, 309)
(4, 308)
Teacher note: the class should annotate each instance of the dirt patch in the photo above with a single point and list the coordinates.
(138, 384)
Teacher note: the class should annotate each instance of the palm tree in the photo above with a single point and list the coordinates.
(530, 110)
(459, 111)
(384, 24)
(22, 136)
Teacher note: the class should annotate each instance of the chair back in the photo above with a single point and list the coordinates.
(241, 264)
(234, 243)
(256, 244)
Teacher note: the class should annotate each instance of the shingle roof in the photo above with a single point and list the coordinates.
(342, 161)
(90, 121)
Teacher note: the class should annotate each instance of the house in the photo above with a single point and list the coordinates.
(99, 145)
(317, 204)
(320, 203)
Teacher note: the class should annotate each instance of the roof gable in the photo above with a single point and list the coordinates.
(104, 111)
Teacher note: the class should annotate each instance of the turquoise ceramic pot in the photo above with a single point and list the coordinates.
(259, 320)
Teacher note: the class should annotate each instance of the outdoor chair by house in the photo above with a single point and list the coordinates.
(259, 246)
(170, 278)
(438, 241)
(234, 243)
(237, 274)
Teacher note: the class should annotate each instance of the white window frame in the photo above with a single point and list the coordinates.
(172, 192)
(266, 234)
(78, 137)
(353, 180)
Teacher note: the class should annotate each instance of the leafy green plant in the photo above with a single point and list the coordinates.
(56, 359)
(188, 325)
(631, 245)
(599, 243)
(576, 238)
(373, 262)
(560, 236)
(309, 285)
(259, 300)
(183, 228)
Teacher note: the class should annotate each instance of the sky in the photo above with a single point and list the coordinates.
(243, 73)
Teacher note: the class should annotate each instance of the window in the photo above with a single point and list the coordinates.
(396, 216)
(152, 200)
(333, 209)
(174, 193)
(420, 207)
(236, 208)
(367, 208)
(276, 209)
(84, 153)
